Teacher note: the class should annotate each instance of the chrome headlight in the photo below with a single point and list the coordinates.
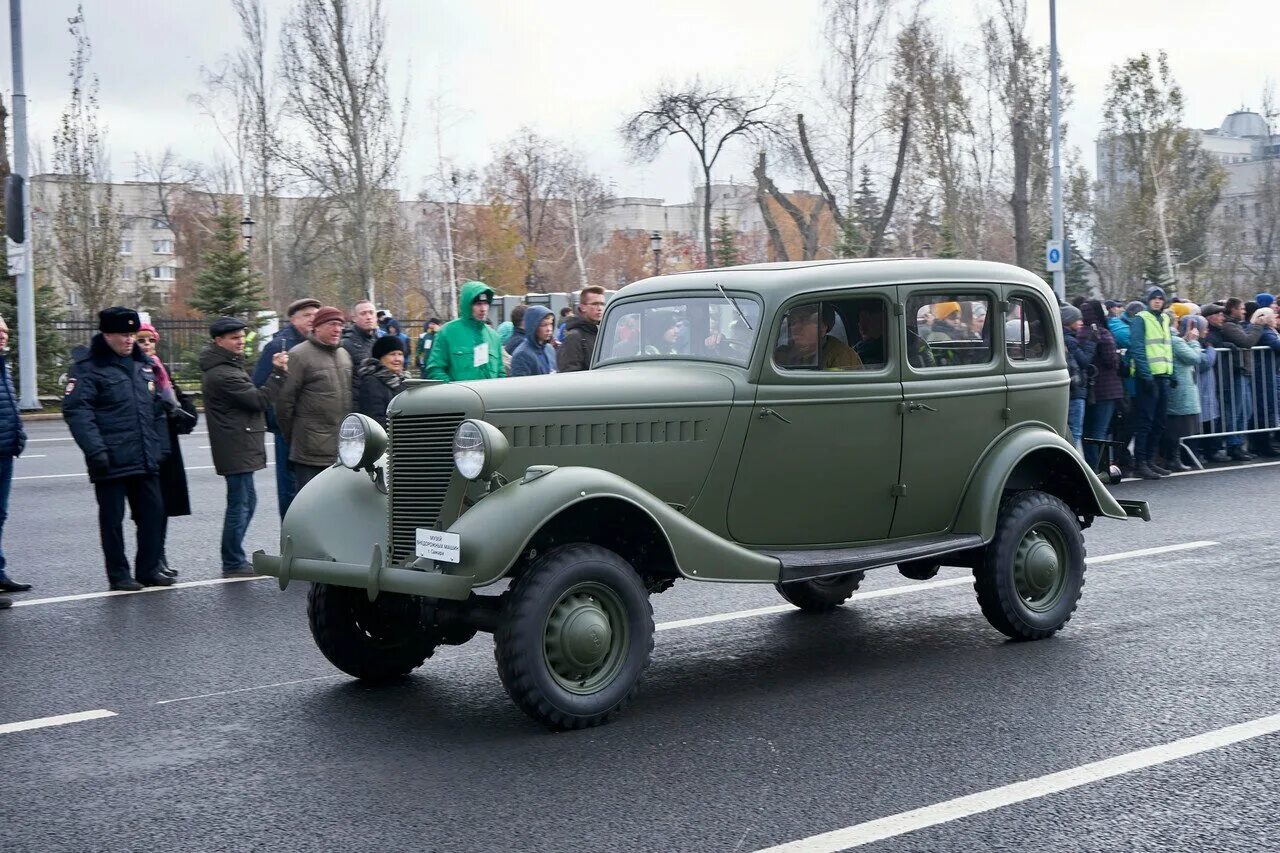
(360, 441)
(479, 449)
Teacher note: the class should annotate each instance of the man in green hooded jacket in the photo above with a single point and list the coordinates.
(467, 348)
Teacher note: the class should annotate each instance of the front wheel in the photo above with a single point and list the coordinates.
(575, 637)
(372, 640)
(1032, 572)
(821, 595)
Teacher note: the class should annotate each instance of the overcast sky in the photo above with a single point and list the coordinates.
(572, 69)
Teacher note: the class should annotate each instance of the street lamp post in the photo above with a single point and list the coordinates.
(246, 231)
(655, 244)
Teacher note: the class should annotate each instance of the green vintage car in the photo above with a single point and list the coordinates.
(784, 424)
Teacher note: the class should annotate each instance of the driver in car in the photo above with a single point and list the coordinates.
(803, 325)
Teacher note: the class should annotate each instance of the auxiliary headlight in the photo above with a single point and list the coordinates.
(360, 441)
(479, 449)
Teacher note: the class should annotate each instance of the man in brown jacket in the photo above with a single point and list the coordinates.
(314, 396)
(234, 410)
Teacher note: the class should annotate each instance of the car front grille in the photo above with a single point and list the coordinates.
(419, 470)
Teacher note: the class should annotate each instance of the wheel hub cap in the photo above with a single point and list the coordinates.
(586, 638)
(1039, 568)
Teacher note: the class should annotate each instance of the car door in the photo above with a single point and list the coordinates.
(1035, 369)
(953, 392)
(820, 458)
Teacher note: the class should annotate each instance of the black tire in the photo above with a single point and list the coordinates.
(919, 570)
(537, 667)
(821, 595)
(1020, 597)
(371, 640)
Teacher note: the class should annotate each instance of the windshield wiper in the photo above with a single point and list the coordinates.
(729, 299)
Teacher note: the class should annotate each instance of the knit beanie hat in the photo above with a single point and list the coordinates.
(1070, 314)
(386, 344)
(1264, 300)
(1180, 309)
(1134, 308)
(326, 314)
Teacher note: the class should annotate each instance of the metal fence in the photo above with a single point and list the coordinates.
(1245, 386)
(179, 345)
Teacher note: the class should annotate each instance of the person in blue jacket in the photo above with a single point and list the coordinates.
(300, 313)
(536, 356)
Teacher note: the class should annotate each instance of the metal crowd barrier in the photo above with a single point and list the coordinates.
(1247, 403)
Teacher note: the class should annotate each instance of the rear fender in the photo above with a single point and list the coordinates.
(498, 530)
(1032, 457)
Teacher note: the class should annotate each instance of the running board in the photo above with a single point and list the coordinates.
(806, 565)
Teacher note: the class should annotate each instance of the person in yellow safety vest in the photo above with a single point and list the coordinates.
(1151, 355)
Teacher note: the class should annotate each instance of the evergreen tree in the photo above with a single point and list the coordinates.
(225, 285)
(867, 209)
(1077, 272)
(926, 235)
(724, 242)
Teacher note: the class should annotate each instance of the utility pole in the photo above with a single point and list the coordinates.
(1059, 271)
(28, 398)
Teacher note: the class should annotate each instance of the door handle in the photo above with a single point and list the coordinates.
(913, 406)
(767, 412)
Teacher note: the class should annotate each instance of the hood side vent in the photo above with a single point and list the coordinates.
(606, 433)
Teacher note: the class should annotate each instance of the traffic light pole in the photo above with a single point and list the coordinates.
(28, 397)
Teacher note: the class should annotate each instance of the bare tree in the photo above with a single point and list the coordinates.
(344, 135)
(806, 222)
(709, 117)
(908, 57)
(1020, 73)
(86, 223)
(586, 195)
(530, 174)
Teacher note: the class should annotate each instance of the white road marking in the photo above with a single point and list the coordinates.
(901, 590)
(86, 596)
(83, 474)
(1151, 552)
(995, 798)
(663, 626)
(248, 689)
(60, 720)
(33, 456)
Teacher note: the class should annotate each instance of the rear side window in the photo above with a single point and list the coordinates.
(1026, 330)
(948, 329)
(834, 334)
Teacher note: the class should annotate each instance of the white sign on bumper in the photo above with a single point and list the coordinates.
(438, 545)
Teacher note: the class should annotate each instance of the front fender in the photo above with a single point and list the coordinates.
(981, 503)
(498, 529)
(340, 515)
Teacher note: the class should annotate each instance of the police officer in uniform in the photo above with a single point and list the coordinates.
(116, 414)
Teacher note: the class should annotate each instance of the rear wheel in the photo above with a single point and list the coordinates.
(1032, 572)
(821, 595)
(372, 640)
(575, 637)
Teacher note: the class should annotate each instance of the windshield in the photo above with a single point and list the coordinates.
(700, 327)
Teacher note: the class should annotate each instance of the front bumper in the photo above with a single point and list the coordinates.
(375, 577)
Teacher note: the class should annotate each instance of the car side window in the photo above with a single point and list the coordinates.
(834, 334)
(1026, 331)
(948, 329)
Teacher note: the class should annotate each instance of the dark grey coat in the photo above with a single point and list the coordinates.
(235, 411)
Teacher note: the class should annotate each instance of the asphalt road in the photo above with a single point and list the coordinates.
(220, 727)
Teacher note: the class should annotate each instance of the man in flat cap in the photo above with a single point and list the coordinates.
(313, 396)
(113, 406)
(300, 312)
(234, 410)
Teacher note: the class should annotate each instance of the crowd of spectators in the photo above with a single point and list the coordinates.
(1170, 385)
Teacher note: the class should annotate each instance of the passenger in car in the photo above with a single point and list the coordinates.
(802, 350)
(871, 328)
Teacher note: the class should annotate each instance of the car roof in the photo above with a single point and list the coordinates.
(777, 281)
